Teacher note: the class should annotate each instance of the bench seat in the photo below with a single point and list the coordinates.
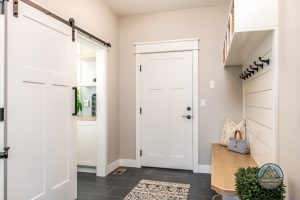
(224, 165)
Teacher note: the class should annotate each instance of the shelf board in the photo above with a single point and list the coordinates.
(240, 41)
(91, 57)
(86, 85)
(86, 118)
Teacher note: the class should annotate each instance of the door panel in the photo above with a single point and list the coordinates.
(58, 155)
(166, 81)
(177, 146)
(28, 144)
(40, 128)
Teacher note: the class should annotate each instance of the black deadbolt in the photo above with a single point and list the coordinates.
(189, 108)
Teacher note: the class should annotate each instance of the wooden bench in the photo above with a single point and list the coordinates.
(224, 165)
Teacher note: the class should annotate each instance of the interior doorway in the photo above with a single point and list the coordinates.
(167, 104)
(91, 106)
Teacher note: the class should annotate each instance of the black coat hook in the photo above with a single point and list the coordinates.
(259, 65)
(251, 71)
(243, 77)
(254, 68)
(247, 74)
(264, 61)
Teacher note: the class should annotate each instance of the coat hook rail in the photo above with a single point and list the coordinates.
(252, 70)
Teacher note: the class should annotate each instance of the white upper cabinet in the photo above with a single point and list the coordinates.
(253, 15)
(249, 22)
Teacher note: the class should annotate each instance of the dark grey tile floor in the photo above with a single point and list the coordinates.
(116, 187)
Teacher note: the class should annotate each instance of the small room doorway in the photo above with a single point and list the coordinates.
(91, 106)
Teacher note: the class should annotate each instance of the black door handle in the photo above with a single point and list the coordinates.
(187, 116)
(75, 101)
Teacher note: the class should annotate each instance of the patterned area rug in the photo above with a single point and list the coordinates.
(157, 190)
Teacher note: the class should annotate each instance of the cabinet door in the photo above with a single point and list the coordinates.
(255, 14)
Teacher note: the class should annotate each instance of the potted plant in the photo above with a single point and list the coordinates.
(248, 187)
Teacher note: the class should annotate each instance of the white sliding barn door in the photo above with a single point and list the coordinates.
(40, 128)
(166, 100)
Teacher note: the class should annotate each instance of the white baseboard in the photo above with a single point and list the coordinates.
(205, 169)
(112, 166)
(121, 162)
(91, 170)
(129, 163)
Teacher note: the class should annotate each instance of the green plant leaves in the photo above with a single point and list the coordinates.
(248, 187)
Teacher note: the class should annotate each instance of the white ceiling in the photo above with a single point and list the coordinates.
(130, 7)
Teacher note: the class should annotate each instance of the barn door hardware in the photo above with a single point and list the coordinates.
(2, 6)
(4, 154)
(72, 24)
(16, 8)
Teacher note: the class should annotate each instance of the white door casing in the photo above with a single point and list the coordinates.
(41, 132)
(2, 78)
(166, 94)
(165, 87)
(101, 124)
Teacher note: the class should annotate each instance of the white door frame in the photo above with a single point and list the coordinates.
(2, 101)
(191, 45)
(102, 165)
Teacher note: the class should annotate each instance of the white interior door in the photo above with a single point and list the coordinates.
(166, 99)
(40, 128)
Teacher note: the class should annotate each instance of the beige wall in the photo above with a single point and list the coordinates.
(206, 23)
(289, 94)
(96, 18)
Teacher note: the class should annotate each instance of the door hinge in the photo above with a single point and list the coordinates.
(16, 8)
(4, 155)
(141, 153)
(2, 118)
(141, 110)
(140, 68)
